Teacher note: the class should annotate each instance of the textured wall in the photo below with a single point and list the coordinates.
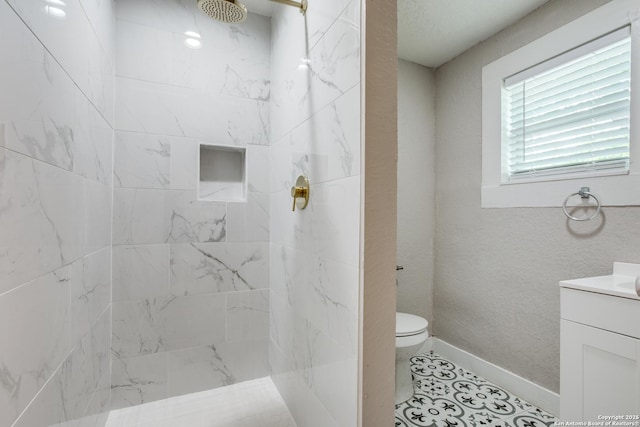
(190, 278)
(56, 138)
(378, 240)
(416, 188)
(497, 270)
(315, 131)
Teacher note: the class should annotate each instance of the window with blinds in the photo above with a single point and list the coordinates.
(569, 116)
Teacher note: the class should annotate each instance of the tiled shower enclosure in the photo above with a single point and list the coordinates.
(121, 285)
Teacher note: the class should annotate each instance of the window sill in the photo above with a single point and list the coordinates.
(619, 190)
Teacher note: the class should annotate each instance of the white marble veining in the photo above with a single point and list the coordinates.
(138, 327)
(189, 220)
(332, 301)
(326, 148)
(90, 292)
(305, 407)
(77, 392)
(143, 216)
(93, 142)
(320, 75)
(56, 140)
(248, 221)
(154, 161)
(40, 209)
(184, 157)
(138, 216)
(218, 365)
(41, 121)
(314, 274)
(155, 376)
(194, 321)
(150, 107)
(197, 369)
(49, 118)
(138, 380)
(141, 160)
(75, 45)
(160, 324)
(102, 15)
(204, 268)
(329, 224)
(247, 315)
(258, 168)
(97, 220)
(82, 371)
(168, 60)
(140, 271)
(31, 353)
(207, 329)
(249, 403)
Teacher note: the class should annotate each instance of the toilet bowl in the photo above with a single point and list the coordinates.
(411, 334)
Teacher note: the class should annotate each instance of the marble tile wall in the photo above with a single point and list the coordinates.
(190, 278)
(315, 131)
(56, 141)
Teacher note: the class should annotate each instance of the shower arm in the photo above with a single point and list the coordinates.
(301, 5)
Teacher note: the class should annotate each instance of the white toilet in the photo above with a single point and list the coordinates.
(411, 334)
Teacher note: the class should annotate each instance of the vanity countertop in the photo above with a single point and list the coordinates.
(621, 283)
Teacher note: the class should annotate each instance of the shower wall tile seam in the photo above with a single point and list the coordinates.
(328, 181)
(97, 36)
(172, 296)
(177, 86)
(46, 48)
(57, 371)
(51, 378)
(191, 273)
(297, 126)
(41, 161)
(70, 102)
(47, 273)
(300, 103)
(252, 120)
(194, 138)
(331, 25)
(336, 343)
(320, 110)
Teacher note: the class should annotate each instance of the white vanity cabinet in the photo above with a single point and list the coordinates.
(600, 348)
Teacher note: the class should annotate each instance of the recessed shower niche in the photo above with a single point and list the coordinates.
(222, 175)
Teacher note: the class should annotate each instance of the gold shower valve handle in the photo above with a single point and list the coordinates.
(300, 193)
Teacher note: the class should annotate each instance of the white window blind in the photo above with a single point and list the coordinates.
(569, 116)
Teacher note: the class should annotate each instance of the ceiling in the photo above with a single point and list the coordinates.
(432, 32)
(261, 7)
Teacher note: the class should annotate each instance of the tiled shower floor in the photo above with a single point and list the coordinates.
(246, 404)
(449, 396)
(446, 396)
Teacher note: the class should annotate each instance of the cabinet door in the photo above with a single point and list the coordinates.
(599, 373)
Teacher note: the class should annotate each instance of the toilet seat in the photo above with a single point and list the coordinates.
(411, 335)
(408, 325)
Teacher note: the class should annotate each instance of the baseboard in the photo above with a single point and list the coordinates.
(428, 346)
(531, 392)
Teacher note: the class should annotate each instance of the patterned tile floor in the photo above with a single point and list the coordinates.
(449, 396)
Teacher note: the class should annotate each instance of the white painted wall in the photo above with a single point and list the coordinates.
(416, 188)
(497, 270)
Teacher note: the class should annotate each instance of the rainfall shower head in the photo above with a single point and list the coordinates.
(232, 11)
(228, 11)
